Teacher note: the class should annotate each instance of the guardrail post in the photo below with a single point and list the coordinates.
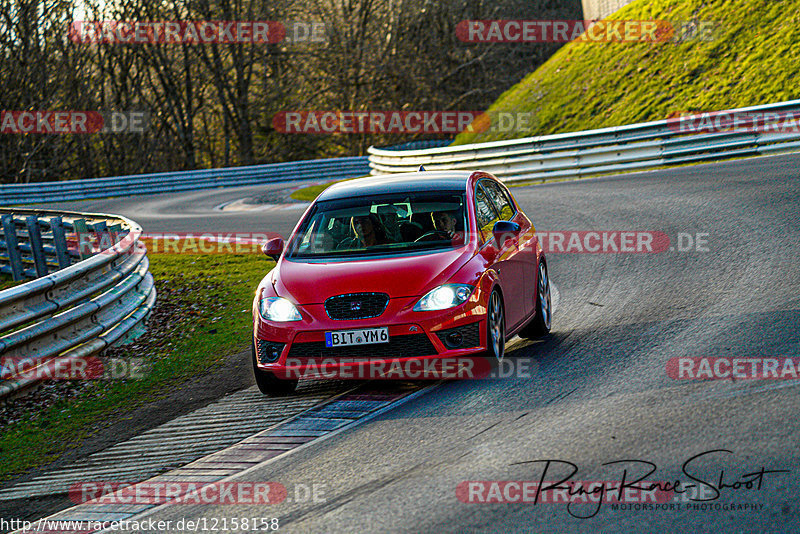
(14, 256)
(37, 248)
(101, 230)
(60, 242)
(81, 230)
(113, 231)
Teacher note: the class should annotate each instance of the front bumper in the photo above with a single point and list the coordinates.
(440, 335)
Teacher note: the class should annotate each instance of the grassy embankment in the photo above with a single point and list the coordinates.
(750, 57)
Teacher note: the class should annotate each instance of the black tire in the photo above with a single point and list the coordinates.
(268, 383)
(540, 325)
(495, 326)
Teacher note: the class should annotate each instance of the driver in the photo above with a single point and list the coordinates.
(444, 227)
(445, 222)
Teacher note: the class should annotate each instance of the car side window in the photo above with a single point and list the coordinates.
(500, 200)
(484, 212)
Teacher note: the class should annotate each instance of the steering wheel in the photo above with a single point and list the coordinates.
(434, 235)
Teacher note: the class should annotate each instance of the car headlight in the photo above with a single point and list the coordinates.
(444, 297)
(278, 309)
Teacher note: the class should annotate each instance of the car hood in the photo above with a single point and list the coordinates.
(409, 276)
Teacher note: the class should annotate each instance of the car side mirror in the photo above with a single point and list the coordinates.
(273, 248)
(505, 230)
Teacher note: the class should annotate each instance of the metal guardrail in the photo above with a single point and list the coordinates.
(622, 148)
(167, 182)
(33, 246)
(419, 144)
(96, 290)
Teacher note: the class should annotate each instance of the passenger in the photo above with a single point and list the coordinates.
(368, 231)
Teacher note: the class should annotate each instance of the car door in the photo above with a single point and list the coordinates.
(524, 255)
(507, 258)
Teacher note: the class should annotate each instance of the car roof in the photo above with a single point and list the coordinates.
(398, 183)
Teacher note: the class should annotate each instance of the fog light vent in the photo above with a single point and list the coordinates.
(453, 340)
(269, 351)
(461, 337)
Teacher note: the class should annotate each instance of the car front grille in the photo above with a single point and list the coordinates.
(356, 306)
(398, 347)
(461, 337)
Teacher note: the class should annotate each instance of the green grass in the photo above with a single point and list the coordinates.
(753, 59)
(310, 193)
(6, 282)
(210, 299)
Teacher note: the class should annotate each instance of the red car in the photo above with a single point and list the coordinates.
(399, 269)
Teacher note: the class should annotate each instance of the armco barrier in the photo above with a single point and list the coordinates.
(608, 150)
(76, 308)
(32, 246)
(167, 182)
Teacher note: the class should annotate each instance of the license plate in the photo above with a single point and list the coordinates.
(366, 336)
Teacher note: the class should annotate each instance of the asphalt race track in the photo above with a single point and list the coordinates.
(599, 391)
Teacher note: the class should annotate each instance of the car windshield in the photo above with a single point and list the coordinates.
(399, 223)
